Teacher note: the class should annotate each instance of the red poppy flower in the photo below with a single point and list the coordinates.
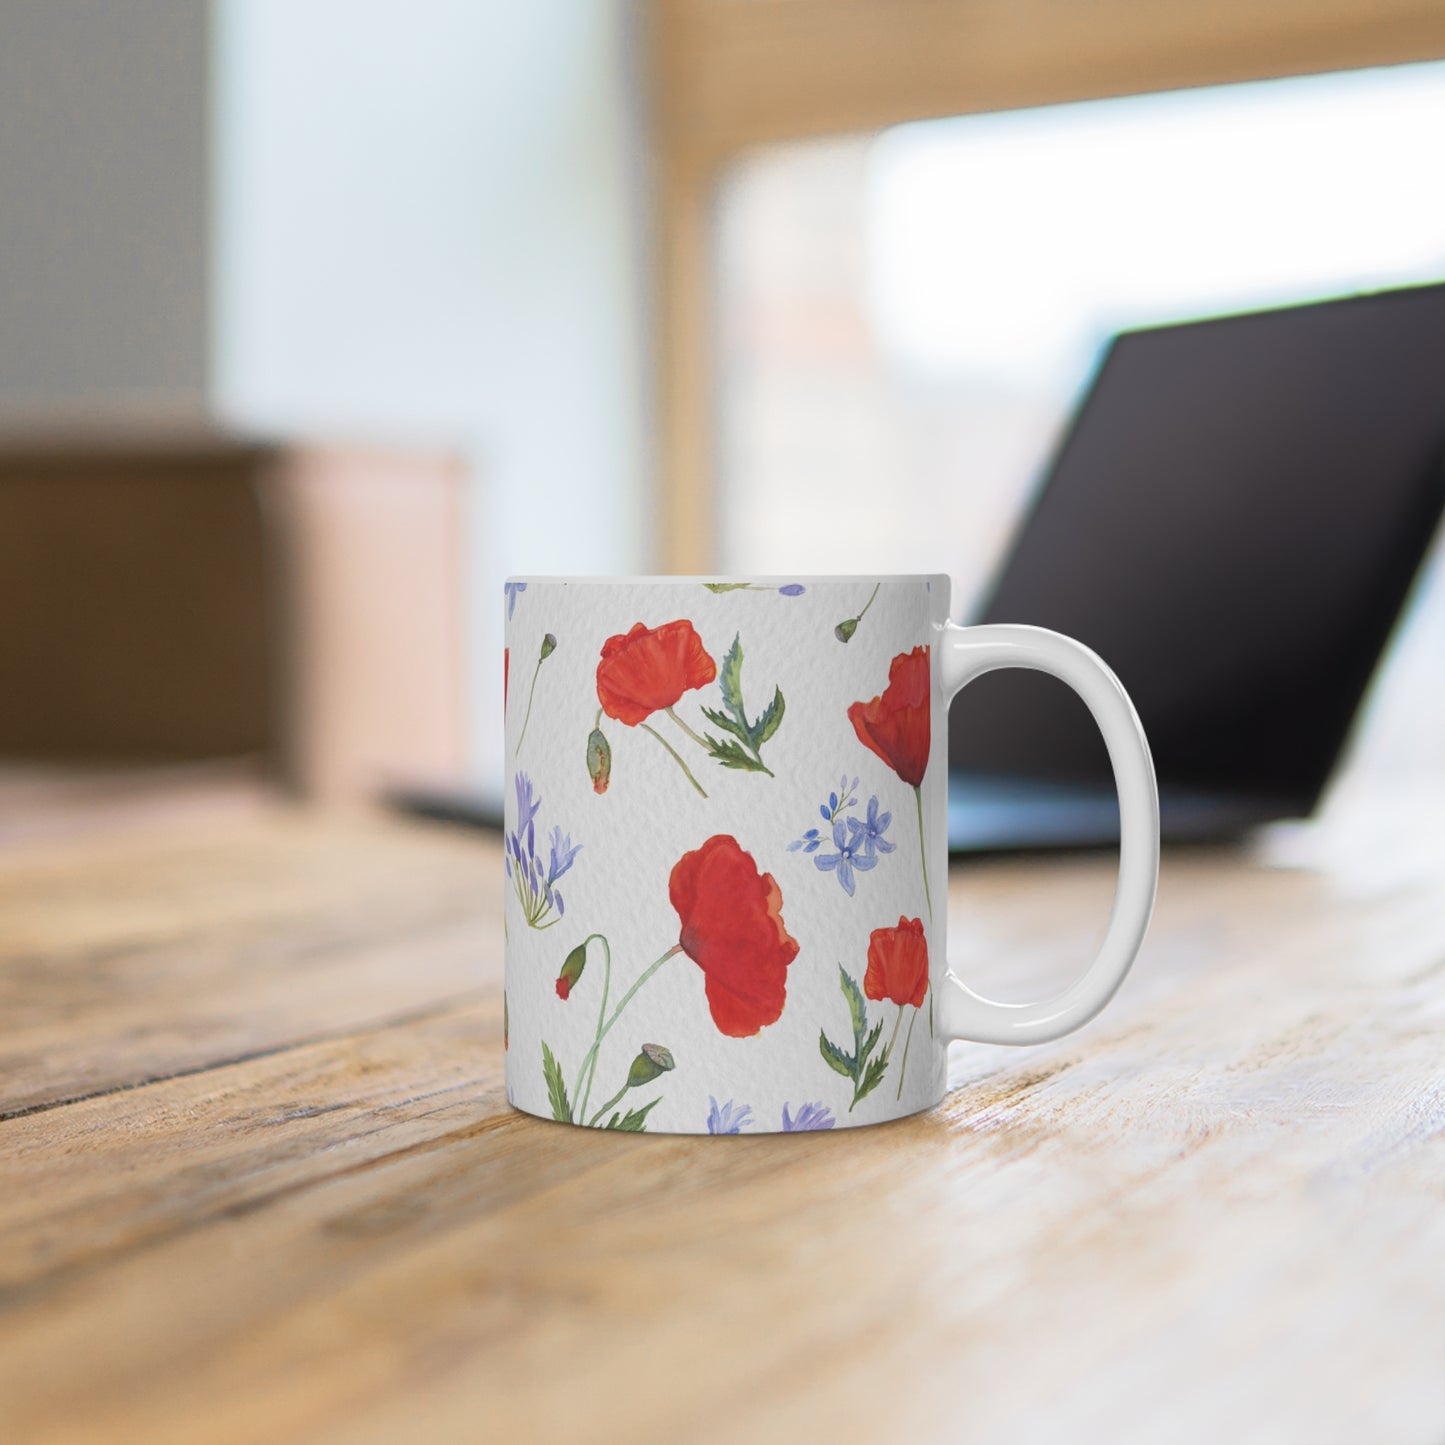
(650, 668)
(506, 674)
(732, 928)
(896, 724)
(898, 963)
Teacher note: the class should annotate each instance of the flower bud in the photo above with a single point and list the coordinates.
(599, 761)
(572, 968)
(844, 630)
(651, 1063)
(549, 646)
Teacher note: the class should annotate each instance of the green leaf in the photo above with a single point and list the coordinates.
(723, 722)
(730, 681)
(731, 755)
(870, 1042)
(872, 1077)
(632, 1121)
(836, 1059)
(857, 1009)
(772, 717)
(724, 586)
(556, 1087)
(742, 748)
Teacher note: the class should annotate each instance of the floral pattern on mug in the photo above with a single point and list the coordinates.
(897, 726)
(613, 1033)
(731, 926)
(647, 670)
(898, 972)
(731, 1118)
(788, 589)
(857, 842)
(534, 882)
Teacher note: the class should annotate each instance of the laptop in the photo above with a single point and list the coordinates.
(1233, 522)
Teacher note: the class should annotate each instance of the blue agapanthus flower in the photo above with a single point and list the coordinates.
(793, 589)
(533, 880)
(808, 1117)
(727, 1118)
(850, 856)
(511, 589)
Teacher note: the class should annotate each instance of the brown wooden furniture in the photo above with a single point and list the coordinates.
(259, 1180)
(199, 597)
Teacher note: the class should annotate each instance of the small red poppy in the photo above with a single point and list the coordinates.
(506, 674)
(650, 668)
(898, 963)
(896, 724)
(732, 928)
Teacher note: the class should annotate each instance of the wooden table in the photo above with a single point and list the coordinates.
(259, 1180)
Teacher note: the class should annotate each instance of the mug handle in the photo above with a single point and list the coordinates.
(969, 652)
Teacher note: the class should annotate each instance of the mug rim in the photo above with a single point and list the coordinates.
(782, 579)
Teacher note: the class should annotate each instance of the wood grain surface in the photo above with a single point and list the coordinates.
(259, 1180)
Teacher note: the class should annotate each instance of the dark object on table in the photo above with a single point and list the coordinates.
(1233, 523)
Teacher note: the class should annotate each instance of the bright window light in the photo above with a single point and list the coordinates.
(1019, 241)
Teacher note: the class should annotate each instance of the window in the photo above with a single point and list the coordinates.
(905, 320)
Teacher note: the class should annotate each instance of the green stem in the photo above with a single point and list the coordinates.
(701, 742)
(601, 1014)
(923, 852)
(676, 756)
(897, 1024)
(527, 717)
(593, 1120)
(605, 1028)
(869, 602)
(627, 997)
(903, 1068)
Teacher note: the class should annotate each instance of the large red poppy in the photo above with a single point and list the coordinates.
(650, 668)
(898, 963)
(896, 724)
(732, 928)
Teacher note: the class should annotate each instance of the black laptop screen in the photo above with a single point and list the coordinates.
(1232, 523)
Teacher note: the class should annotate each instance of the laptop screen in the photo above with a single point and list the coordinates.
(1232, 522)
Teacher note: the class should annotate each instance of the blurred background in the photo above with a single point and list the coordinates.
(318, 319)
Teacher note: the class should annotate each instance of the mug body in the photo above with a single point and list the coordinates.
(726, 868)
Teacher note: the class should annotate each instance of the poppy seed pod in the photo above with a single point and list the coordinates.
(651, 1063)
(549, 646)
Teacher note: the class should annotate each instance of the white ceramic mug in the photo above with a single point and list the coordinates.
(726, 852)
